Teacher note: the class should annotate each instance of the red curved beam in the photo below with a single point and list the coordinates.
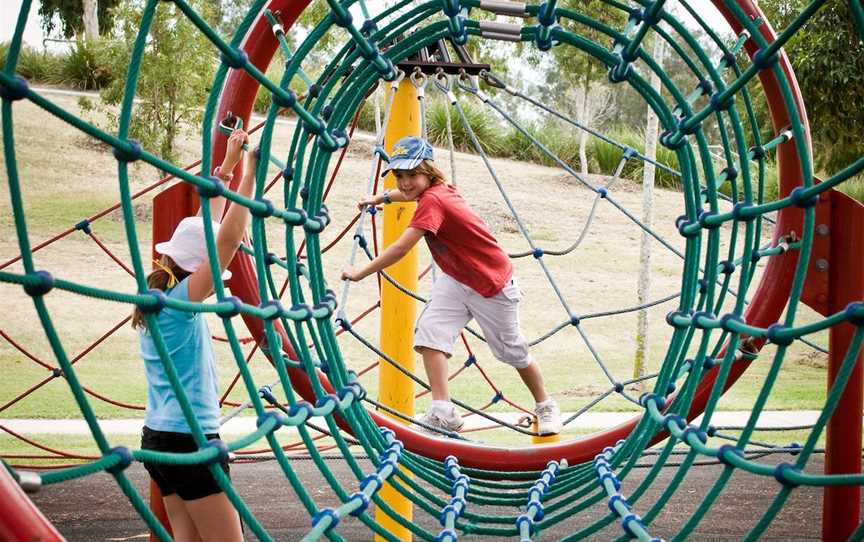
(766, 307)
(20, 520)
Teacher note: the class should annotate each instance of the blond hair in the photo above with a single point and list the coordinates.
(159, 279)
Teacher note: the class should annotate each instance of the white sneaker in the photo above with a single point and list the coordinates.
(447, 424)
(548, 418)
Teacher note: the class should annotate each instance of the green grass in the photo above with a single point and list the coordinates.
(113, 370)
(85, 445)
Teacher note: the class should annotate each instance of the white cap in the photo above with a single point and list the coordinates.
(187, 246)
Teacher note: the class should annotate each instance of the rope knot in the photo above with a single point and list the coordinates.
(39, 284)
(124, 456)
(15, 89)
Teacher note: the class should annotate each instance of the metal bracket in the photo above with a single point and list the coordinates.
(435, 58)
(817, 283)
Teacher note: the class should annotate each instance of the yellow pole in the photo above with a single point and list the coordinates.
(398, 311)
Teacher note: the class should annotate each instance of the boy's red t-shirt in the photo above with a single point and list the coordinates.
(460, 242)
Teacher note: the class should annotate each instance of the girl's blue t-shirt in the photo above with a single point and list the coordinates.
(187, 337)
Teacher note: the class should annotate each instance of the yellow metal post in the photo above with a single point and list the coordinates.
(543, 439)
(398, 310)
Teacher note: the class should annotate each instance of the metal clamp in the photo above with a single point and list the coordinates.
(400, 75)
(444, 82)
(419, 80)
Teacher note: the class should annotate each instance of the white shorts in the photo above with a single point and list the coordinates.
(452, 305)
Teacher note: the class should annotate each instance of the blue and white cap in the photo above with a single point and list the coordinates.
(408, 153)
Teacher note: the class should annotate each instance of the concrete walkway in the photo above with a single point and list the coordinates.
(245, 425)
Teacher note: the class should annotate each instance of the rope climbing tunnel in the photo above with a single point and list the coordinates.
(723, 316)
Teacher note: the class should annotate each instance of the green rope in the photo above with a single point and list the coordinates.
(701, 338)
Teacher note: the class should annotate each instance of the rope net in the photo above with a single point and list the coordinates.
(716, 329)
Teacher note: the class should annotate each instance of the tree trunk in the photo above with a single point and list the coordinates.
(585, 118)
(91, 20)
(649, 170)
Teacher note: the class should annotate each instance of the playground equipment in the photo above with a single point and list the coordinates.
(707, 353)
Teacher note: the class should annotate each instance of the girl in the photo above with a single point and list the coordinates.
(197, 509)
(476, 282)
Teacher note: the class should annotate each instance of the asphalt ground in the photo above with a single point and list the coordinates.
(94, 509)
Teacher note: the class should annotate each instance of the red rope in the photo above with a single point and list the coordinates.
(54, 451)
(23, 351)
(110, 254)
(26, 393)
(99, 215)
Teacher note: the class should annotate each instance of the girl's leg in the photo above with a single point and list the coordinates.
(181, 522)
(533, 379)
(215, 518)
(435, 363)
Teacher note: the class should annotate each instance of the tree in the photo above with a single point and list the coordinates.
(643, 290)
(581, 70)
(91, 19)
(72, 16)
(175, 74)
(828, 59)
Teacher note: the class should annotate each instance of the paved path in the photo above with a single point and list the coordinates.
(245, 425)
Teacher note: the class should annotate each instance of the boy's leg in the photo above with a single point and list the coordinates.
(442, 413)
(533, 379)
(435, 363)
(498, 316)
(436, 331)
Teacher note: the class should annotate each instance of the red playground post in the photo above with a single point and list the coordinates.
(835, 279)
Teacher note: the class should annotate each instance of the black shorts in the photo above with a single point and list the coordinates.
(189, 482)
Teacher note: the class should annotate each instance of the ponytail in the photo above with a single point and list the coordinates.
(165, 273)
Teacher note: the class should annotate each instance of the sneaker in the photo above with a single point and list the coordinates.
(548, 418)
(447, 424)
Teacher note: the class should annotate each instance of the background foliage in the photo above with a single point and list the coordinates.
(179, 63)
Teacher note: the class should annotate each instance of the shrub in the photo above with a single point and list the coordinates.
(854, 188)
(664, 178)
(517, 146)
(84, 67)
(366, 121)
(771, 183)
(264, 97)
(560, 140)
(32, 65)
(481, 120)
(608, 156)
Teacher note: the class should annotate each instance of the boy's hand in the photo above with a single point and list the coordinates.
(234, 150)
(366, 201)
(352, 274)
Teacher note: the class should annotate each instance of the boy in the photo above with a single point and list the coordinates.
(476, 282)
